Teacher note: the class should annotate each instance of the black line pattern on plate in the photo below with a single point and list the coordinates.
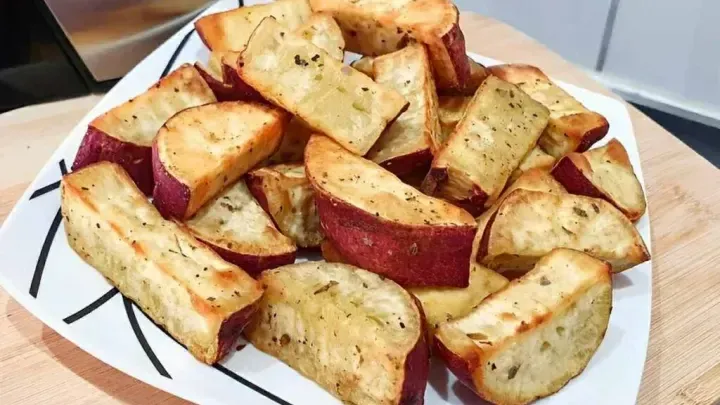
(44, 190)
(175, 54)
(91, 307)
(44, 251)
(225, 370)
(50, 187)
(258, 389)
(141, 339)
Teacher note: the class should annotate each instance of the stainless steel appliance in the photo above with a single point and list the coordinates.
(55, 49)
(112, 36)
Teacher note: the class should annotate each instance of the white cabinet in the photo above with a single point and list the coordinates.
(668, 52)
(572, 28)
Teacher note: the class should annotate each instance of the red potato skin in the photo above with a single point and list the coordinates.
(255, 185)
(232, 328)
(98, 146)
(170, 196)
(417, 367)
(241, 90)
(574, 181)
(222, 91)
(407, 164)
(252, 264)
(412, 256)
(461, 367)
(454, 41)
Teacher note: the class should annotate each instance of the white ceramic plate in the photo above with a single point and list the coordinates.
(38, 268)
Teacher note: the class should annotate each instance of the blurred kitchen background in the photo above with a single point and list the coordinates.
(661, 55)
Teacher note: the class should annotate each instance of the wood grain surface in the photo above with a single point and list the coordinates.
(683, 363)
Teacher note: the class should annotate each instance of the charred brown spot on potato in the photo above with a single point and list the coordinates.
(544, 281)
(560, 330)
(580, 212)
(512, 372)
(477, 336)
(326, 287)
(545, 346)
(284, 339)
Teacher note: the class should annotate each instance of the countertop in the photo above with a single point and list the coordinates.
(683, 360)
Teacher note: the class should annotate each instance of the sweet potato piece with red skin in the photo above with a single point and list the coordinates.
(125, 133)
(405, 242)
(237, 227)
(606, 173)
(573, 180)
(379, 28)
(406, 143)
(331, 307)
(500, 126)
(202, 150)
(565, 301)
(180, 283)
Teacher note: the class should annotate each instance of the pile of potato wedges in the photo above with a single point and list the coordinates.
(461, 209)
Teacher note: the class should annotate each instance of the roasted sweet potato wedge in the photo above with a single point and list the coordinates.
(501, 125)
(535, 180)
(535, 159)
(405, 145)
(124, 134)
(528, 340)
(202, 150)
(230, 30)
(379, 27)
(383, 225)
(330, 97)
(235, 226)
(359, 336)
(286, 194)
(529, 224)
(181, 284)
(606, 173)
(320, 29)
(572, 127)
